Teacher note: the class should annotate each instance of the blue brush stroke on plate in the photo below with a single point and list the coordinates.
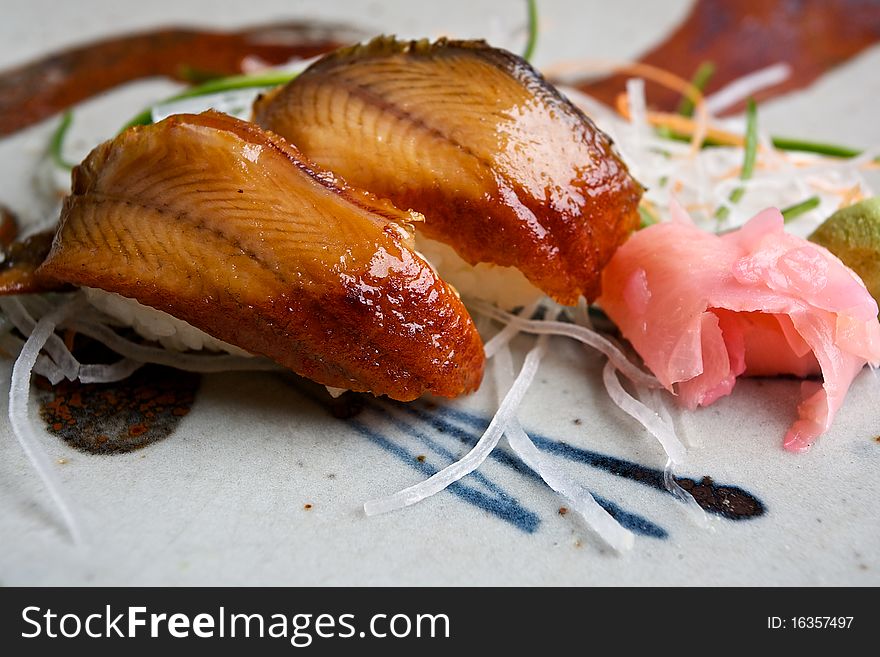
(427, 423)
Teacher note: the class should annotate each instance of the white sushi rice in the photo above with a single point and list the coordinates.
(506, 287)
(172, 333)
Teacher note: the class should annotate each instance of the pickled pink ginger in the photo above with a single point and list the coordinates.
(702, 309)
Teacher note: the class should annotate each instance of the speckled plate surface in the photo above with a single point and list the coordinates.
(259, 480)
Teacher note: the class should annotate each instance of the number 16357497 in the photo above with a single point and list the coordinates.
(809, 622)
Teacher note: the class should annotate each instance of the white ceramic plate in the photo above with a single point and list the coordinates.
(222, 500)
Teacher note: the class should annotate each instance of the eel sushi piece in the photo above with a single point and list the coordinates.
(505, 169)
(229, 228)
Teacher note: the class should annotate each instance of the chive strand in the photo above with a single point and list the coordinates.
(751, 155)
(56, 143)
(232, 83)
(780, 143)
(197, 76)
(832, 150)
(647, 217)
(798, 209)
(701, 78)
(532, 9)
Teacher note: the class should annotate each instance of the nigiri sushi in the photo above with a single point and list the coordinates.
(230, 229)
(506, 171)
(703, 309)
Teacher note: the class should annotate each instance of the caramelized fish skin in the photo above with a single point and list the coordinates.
(229, 228)
(504, 168)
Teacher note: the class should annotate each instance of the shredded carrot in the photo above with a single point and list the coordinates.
(736, 171)
(680, 124)
(649, 204)
(699, 125)
(817, 183)
(796, 159)
(853, 195)
(694, 208)
(733, 172)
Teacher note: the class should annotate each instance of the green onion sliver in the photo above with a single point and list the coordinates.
(234, 82)
(701, 78)
(803, 146)
(751, 155)
(532, 6)
(647, 217)
(56, 143)
(798, 209)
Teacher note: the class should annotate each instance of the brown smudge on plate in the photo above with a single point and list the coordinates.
(727, 501)
(742, 36)
(114, 418)
(41, 88)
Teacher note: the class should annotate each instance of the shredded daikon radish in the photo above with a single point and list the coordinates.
(38, 305)
(181, 361)
(666, 78)
(472, 460)
(55, 347)
(582, 314)
(662, 429)
(580, 333)
(19, 419)
(658, 399)
(121, 369)
(697, 513)
(510, 331)
(645, 416)
(748, 85)
(703, 179)
(47, 368)
(638, 110)
(44, 365)
(579, 498)
(235, 102)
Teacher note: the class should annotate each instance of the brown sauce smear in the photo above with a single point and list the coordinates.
(730, 502)
(112, 418)
(41, 88)
(742, 36)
